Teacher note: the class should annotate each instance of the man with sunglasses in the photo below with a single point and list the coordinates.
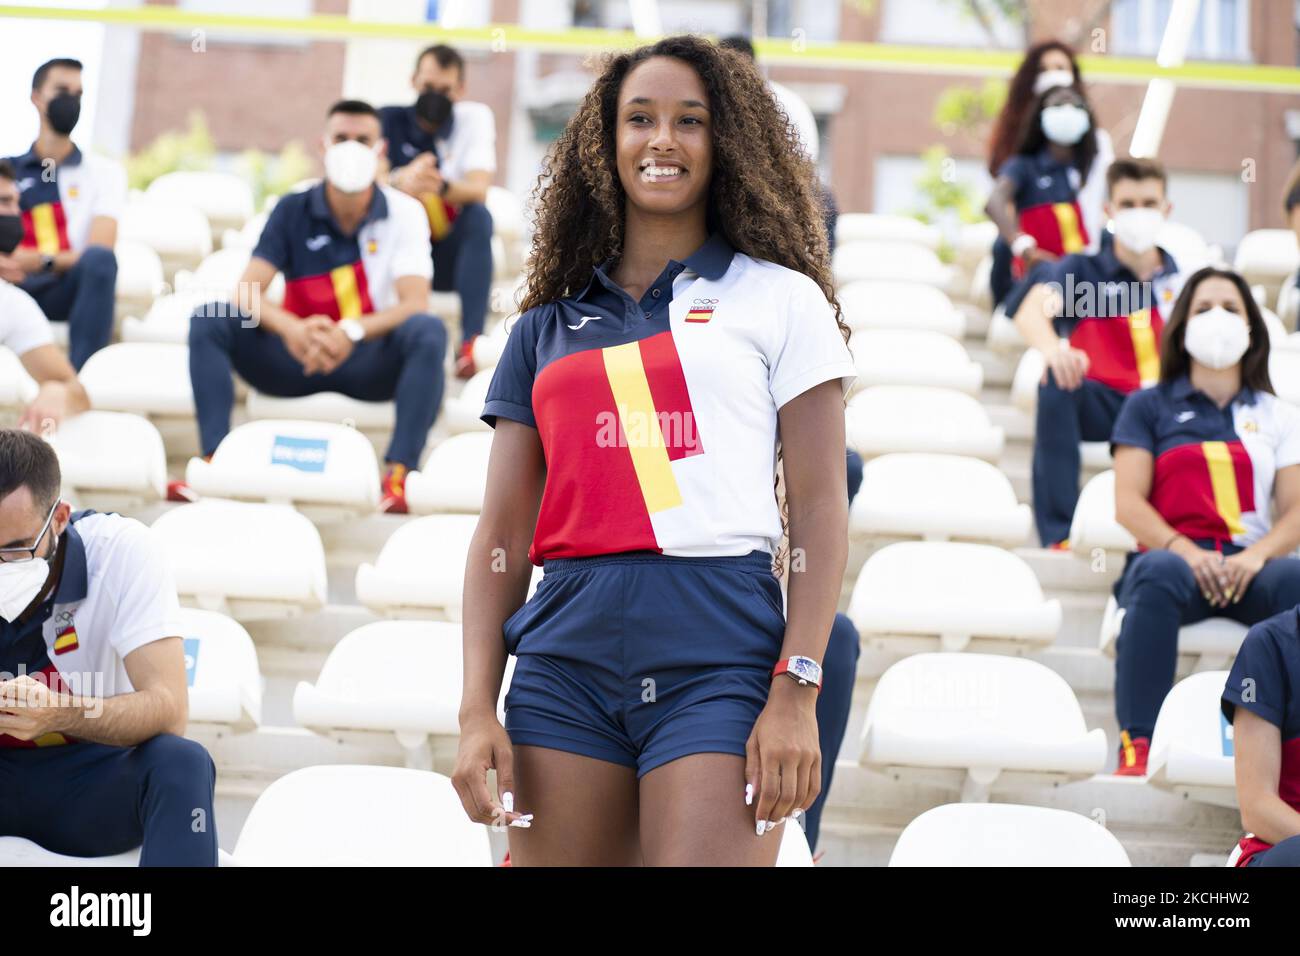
(93, 697)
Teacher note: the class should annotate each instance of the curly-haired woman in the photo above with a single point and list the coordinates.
(679, 339)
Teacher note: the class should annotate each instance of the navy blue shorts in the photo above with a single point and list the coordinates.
(640, 658)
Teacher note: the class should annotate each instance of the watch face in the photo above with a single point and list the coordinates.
(805, 669)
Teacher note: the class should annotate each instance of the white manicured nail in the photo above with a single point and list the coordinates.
(521, 824)
(508, 801)
(759, 829)
(749, 794)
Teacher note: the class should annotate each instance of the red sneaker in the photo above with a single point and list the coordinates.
(465, 367)
(1133, 753)
(393, 490)
(1060, 545)
(181, 492)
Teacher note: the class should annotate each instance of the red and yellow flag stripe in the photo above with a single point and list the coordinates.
(45, 229)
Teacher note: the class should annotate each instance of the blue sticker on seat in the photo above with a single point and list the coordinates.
(191, 659)
(1225, 738)
(305, 454)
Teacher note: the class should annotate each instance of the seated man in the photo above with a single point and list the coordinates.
(93, 697)
(1109, 307)
(71, 203)
(25, 331)
(442, 151)
(355, 257)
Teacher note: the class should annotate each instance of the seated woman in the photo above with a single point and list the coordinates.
(1265, 685)
(1199, 460)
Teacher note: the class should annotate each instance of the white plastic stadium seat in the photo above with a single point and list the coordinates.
(1094, 525)
(981, 284)
(1025, 383)
(880, 227)
(1191, 747)
(251, 561)
(139, 275)
(323, 407)
(489, 346)
(147, 378)
(932, 595)
(1288, 300)
(1211, 644)
(16, 851)
(17, 388)
(420, 573)
(1284, 371)
(1187, 246)
(412, 691)
(461, 412)
(902, 262)
(221, 666)
(974, 240)
(226, 199)
(324, 470)
(167, 320)
(1265, 256)
(342, 815)
(111, 460)
(1005, 834)
(895, 418)
(454, 476)
(794, 849)
(1002, 334)
(247, 235)
(978, 722)
(938, 498)
(894, 357)
(178, 232)
(881, 304)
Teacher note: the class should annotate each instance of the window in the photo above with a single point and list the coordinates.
(947, 23)
(818, 19)
(1222, 30)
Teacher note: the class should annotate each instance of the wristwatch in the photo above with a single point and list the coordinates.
(803, 669)
(1023, 243)
(353, 329)
(446, 185)
(47, 262)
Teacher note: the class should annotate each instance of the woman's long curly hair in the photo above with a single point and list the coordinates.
(763, 194)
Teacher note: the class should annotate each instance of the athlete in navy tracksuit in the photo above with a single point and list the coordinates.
(1200, 460)
(1265, 681)
(652, 716)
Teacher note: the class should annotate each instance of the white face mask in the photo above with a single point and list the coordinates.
(1138, 228)
(20, 582)
(1217, 338)
(1064, 124)
(1050, 79)
(351, 166)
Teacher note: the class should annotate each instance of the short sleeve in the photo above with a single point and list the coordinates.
(390, 129)
(413, 256)
(1016, 169)
(1258, 679)
(808, 348)
(1135, 424)
(110, 190)
(146, 604)
(273, 243)
(1288, 441)
(23, 325)
(480, 150)
(510, 393)
(1043, 272)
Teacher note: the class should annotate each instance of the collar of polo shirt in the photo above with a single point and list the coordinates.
(1112, 268)
(320, 208)
(711, 261)
(1183, 389)
(30, 158)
